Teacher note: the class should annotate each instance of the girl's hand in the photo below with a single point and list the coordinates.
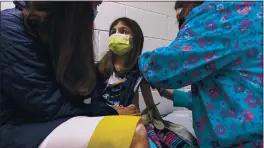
(129, 110)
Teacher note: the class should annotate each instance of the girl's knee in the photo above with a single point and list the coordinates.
(141, 132)
(140, 139)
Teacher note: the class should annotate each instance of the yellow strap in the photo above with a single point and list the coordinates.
(114, 132)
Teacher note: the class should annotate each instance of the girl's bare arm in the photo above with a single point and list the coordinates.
(146, 93)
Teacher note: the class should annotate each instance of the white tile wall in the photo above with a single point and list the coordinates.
(153, 24)
(168, 43)
(140, 5)
(157, 20)
(108, 12)
(96, 44)
(103, 42)
(172, 25)
(6, 5)
(166, 8)
(151, 43)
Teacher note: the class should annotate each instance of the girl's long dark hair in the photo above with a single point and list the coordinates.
(66, 28)
(106, 66)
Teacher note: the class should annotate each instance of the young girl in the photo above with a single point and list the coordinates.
(119, 78)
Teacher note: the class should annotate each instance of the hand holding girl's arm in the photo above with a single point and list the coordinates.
(179, 98)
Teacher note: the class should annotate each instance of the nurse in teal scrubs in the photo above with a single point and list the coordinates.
(218, 51)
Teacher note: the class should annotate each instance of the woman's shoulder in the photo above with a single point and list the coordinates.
(11, 19)
(16, 41)
(12, 28)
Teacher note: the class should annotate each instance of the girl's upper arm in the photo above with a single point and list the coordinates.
(146, 92)
(136, 99)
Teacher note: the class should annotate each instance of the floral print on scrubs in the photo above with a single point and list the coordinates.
(219, 52)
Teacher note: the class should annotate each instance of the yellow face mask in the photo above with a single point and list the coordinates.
(119, 43)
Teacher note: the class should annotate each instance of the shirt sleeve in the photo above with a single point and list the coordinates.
(182, 99)
(203, 46)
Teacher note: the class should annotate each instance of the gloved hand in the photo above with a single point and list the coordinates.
(152, 115)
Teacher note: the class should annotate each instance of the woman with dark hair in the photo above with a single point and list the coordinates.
(47, 70)
(218, 51)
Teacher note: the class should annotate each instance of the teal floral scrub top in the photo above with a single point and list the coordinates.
(218, 51)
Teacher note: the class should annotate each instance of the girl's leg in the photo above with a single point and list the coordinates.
(140, 139)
